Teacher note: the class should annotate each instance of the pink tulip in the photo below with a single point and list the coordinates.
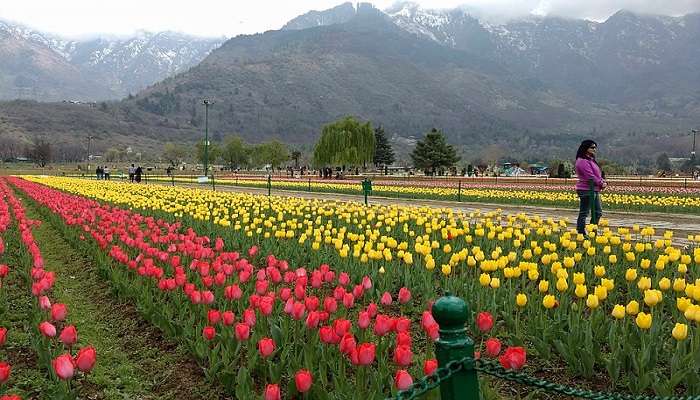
(69, 335)
(63, 366)
(493, 347)
(47, 329)
(429, 366)
(3, 336)
(58, 312)
(303, 380)
(5, 370)
(209, 332)
(484, 321)
(266, 347)
(386, 299)
(403, 380)
(403, 356)
(404, 295)
(272, 392)
(85, 359)
(242, 331)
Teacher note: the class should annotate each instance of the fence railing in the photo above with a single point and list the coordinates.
(457, 377)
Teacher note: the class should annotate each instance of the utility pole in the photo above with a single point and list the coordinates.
(692, 153)
(206, 136)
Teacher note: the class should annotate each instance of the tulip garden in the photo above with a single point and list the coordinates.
(289, 298)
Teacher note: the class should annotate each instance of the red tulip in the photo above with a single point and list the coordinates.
(403, 380)
(85, 359)
(228, 317)
(403, 339)
(298, 310)
(209, 332)
(484, 321)
(404, 295)
(366, 353)
(5, 370)
(272, 392)
(4, 270)
(433, 332)
(402, 324)
(44, 303)
(403, 356)
(348, 300)
(3, 336)
(429, 366)
(363, 320)
(285, 293)
(266, 347)
(328, 335)
(366, 282)
(342, 326)
(303, 380)
(343, 279)
(347, 344)
(10, 397)
(63, 366)
(266, 305)
(69, 335)
(249, 317)
(47, 329)
(427, 320)
(493, 347)
(213, 316)
(383, 324)
(58, 312)
(233, 292)
(252, 251)
(207, 297)
(311, 303)
(312, 319)
(242, 331)
(386, 299)
(372, 310)
(513, 358)
(330, 304)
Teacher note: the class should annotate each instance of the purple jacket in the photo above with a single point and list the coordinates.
(587, 169)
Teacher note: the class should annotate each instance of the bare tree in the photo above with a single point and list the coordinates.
(9, 148)
(40, 152)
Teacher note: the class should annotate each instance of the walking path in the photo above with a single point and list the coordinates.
(681, 224)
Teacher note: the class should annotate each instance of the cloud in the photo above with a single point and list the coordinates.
(232, 17)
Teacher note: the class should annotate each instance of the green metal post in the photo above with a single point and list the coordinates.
(206, 136)
(451, 314)
(269, 185)
(591, 193)
(172, 178)
(459, 191)
(213, 184)
(309, 184)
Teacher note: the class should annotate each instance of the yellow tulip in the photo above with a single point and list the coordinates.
(447, 269)
(592, 301)
(579, 278)
(521, 300)
(562, 285)
(632, 307)
(618, 311)
(484, 279)
(631, 274)
(682, 303)
(643, 320)
(581, 291)
(599, 271)
(664, 284)
(601, 292)
(680, 331)
(549, 301)
(543, 286)
(644, 283)
(495, 283)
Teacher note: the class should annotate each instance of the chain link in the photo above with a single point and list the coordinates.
(493, 368)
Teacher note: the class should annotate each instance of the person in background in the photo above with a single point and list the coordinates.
(132, 172)
(587, 170)
(138, 173)
(106, 172)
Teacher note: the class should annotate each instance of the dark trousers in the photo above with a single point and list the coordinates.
(585, 208)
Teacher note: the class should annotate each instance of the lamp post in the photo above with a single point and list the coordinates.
(206, 135)
(87, 160)
(692, 153)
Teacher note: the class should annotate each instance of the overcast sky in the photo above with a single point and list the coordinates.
(232, 17)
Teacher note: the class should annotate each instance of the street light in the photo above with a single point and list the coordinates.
(206, 135)
(87, 160)
(692, 153)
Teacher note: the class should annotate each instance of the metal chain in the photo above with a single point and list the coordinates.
(493, 368)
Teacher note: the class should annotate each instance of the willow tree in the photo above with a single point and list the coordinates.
(345, 142)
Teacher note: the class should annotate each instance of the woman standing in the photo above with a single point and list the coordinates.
(587, 170)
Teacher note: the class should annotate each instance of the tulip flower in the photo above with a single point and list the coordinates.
(404, 295)
(429, 366)
(680, 331)
(403, 339)
(347, 344)
(85, 359)
(69, 335)
(5, 370)
(383, 324)
(403, 380)
(47, 329)
(643, 320)
(3, 336)
(10, 397)
(272, 392)
(213, 316)
(303, 380)
(63, 366)
(386, 299)
(58, 312)
(493, 347)
(328, 335)
(266, 346)
(513, 358)
(228, 317)
(363, 320)
(403, 356)
(209, 332)
(618, 311)
(44, 303)
(364, 354)
(242, 331)
(249, 317)
(484, 321)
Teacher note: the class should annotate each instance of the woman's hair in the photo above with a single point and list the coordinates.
(583, 148)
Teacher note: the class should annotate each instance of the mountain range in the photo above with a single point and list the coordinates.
(526, 88)
(40, 66)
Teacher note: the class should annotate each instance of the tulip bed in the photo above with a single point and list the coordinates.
(53, 339)
(332, 300)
